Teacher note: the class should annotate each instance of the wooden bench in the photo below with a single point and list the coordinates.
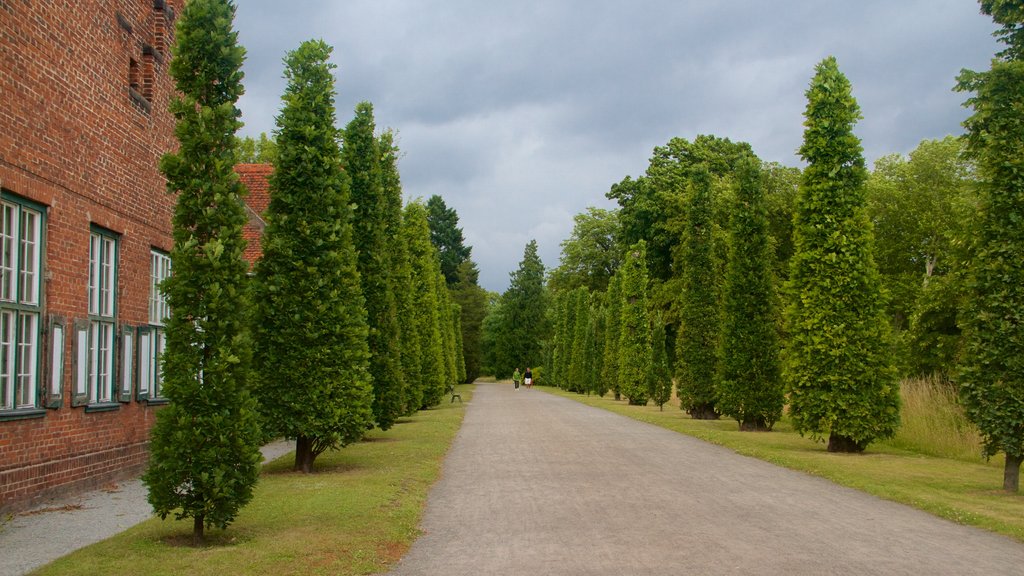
(451, 390)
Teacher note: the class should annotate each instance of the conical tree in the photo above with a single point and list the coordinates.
(697, 341)
(401, 273)
(660, 375)
(595, 346)
(204, 448)
(311, 363)
(749, 388)
(425, 320)
(460, 360)
(564, 314)
(373, 234)
(992, 375)
(838, 363)
(447, 237)
(635, 328)
(446, 326)
(525, 308)
(472, 301)
(613, 321)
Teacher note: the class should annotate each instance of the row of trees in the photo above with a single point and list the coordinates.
(347, 321)
(818, 287)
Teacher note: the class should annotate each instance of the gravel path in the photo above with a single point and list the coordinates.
(49, 531)
(537, 484)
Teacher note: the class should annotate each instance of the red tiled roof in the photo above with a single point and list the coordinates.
(255, 178)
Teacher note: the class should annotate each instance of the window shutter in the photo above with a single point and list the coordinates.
(55, 362)
(80, 391)
(145, 354)
(127, 364)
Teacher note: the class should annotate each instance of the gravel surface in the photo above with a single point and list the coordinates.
(51, 530)
(537, 484)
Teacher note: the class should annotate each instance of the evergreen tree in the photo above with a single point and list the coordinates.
(750, 386)
(661, 375)
(595, 347)
(613, 321)
(525, 311)
(460, 360)
(204, 447)
(697, 340)
(472, 301)
(311, 371)
(446, 236)
(446, 325)
(373, 233)
(992, 374)
(401, 273)
(425, 319)
(634, 330)
(838, 365)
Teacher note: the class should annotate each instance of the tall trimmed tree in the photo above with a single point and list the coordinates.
(749, 388)
(697, 340)
(472, 301)
(838, 364)
(635, 328)
(661, 374)
(424, 318)
(613, 322)
(992, 372)
(374, 233)
(579, 369)
(401, 272)
(204, 448)
(311, 371)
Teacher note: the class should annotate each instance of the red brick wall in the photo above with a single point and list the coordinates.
(255, 178)
(76, 138)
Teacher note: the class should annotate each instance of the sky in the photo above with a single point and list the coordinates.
(522, 113)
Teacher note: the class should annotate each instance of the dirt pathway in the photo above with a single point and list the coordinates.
(536, 484)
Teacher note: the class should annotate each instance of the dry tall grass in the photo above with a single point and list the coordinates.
(933, 422)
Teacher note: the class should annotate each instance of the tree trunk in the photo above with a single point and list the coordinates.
(304, 454)
(754, 424)
(197, 530)
(704, 412)
(837, 443)
(1011, 473)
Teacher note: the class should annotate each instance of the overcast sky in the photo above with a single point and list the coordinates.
(520, 114)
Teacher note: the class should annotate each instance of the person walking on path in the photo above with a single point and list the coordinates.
(528, 377)
(516, 377)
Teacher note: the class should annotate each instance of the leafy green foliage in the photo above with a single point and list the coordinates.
(582, 334)
(312, 374)
(374, 233)
(424, 317)
(612, 332)
(838, 365)
(992, 373)
(749, 387)
(660, 383)
(205, 445)
(635, 328)
(447, 238)
(591, 255)
(261, 151)
(698, 337)
(401, 273)
(472, 301)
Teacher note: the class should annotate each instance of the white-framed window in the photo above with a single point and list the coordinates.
(21, 253)
(153, 339)
(99, 351)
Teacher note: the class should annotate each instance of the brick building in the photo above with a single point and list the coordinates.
(85, 228)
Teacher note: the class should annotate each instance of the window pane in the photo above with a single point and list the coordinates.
(105, 374)
(7, 244)
(94, 360)
(161, 341)
(107, 282)
(27, 360)
(126, 359)
(94, 274)
(7, 348)
(145, 362)
(28, 288)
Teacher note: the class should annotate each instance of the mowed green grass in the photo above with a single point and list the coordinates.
(356, 515)
(966, 490)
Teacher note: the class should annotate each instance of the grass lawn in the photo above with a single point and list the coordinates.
(967, 491)
(357, 514)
